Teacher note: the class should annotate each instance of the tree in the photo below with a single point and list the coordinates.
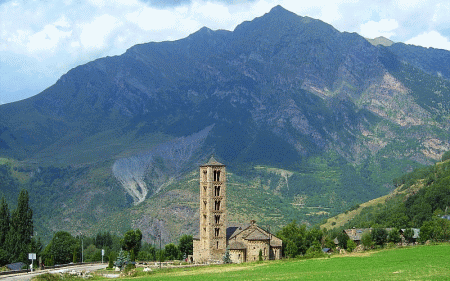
(226, 257)
(366, 240)
(446, 156)
(379, 236)
(394, 236)
(294, 239)
(409, 235)
(61, 247)
(342, 238)
(122, 259)
(291, 249)
(131, 241)
(102, 240)
(19, 234)
(172, 252)
(186, 245)
(351, 245)
(4, 222)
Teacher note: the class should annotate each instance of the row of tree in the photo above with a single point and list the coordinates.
(300, 241)
(65, 248)
(16, 231)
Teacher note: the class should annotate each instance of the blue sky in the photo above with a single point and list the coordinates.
(40, 40)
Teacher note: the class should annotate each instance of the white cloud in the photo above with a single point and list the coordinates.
(47, 39)
(150, 19)
(384, 27)
(94, 34)
(430, 39)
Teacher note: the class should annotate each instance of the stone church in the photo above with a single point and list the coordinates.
(244, 242)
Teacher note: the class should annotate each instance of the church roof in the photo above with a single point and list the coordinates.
(235, 229)
(257, 235)
(213, 162)
(237, 246)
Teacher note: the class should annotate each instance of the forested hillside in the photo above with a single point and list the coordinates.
(421, 197)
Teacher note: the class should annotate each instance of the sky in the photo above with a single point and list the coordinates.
(40, 40)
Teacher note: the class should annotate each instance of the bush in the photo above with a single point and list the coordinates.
(366, 240)
(394, 236)
(379, 236)
(446, 156)
(351, 245)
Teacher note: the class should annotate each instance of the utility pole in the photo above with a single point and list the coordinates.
(82, 246)
(160, 250)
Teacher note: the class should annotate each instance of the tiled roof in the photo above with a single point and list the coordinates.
(237, 246)
(257, 235)
(235, 229)
(356, 234)
(213, 162)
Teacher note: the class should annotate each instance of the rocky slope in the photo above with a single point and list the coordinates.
(281, 91)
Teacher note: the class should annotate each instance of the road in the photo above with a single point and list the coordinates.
(28, 276)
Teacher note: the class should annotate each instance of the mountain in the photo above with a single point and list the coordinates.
(381, 40)
(307, 118)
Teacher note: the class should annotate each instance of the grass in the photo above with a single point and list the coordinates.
(409, 263)
(342, 219)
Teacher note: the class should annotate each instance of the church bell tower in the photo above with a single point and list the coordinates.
(213, 209)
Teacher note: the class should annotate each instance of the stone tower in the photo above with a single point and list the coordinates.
(213, 224)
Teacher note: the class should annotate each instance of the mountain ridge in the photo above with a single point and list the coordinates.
(282, 91)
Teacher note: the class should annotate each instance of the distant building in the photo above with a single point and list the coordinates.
(356, 234)
(244, 242)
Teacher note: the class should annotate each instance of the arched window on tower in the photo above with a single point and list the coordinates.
(204, 175)
(217, 219)
(217, 191)
(216, 231)
(217, 205)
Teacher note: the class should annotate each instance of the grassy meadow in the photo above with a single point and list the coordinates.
(409, 263)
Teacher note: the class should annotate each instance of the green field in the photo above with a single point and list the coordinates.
(409, 263)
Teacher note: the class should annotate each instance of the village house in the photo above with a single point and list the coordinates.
(356, 234)
(243, 242)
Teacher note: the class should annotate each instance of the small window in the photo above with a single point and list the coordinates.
(217, 205)
(217, 244)
(217, 219)
(204, 217)
(204, 175)
(204, 190)
(217, 191)
(216, 175)
(216, 232)
(204, 202)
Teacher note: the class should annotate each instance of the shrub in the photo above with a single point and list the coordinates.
(394, 236)
(351, 245)
(446, 156)
(366, 240)
(226, 257)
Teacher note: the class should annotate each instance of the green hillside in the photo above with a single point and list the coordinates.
(420, 196)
